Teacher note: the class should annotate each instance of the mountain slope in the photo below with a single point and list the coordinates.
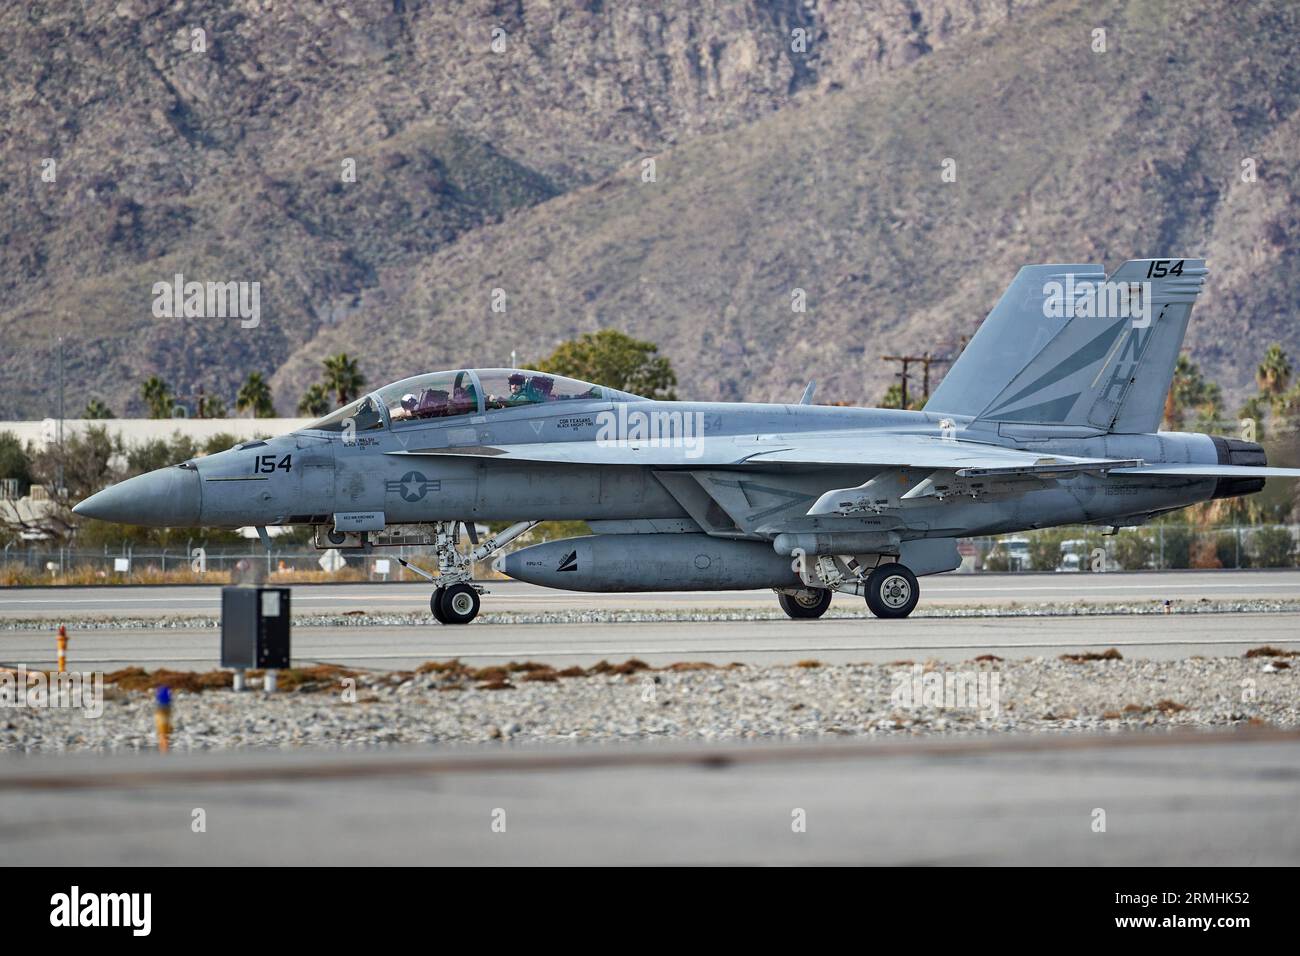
(521, 170)
(1062, 154)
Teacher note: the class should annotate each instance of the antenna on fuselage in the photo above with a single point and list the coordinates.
(808, 393)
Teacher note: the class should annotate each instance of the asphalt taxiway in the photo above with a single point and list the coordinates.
(830, 640)
(364, 644)
(1150, 799)
(940, 590)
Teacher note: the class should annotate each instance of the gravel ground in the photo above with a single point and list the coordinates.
(705, 615)
(451, 702)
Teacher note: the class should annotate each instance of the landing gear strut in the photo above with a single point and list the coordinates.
(456, 598)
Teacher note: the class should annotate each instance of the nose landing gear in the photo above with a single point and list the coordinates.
(456, 598)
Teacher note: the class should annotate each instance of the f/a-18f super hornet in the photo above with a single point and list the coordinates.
(1050, 416)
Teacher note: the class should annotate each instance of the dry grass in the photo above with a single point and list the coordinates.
(1110, 654)
(629, 666)
(453, 666)
(1267, 651)
(809, 664)
(315, 678)
(515, 666)
(193, 682)
(1164, 706)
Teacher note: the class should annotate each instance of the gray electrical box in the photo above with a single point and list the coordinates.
(255, 628)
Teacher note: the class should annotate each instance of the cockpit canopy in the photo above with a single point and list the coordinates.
(465, 392)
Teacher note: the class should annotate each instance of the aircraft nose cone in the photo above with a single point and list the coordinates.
(166, 498)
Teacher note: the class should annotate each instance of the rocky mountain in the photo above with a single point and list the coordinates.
(387, 172)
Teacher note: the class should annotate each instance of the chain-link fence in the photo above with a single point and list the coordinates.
(1161, 546)
(128, 564)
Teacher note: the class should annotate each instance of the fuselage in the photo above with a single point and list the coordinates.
(404, 471)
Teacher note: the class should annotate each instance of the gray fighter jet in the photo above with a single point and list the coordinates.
(1050, 416)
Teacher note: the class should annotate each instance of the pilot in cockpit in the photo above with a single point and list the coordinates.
(518, 393)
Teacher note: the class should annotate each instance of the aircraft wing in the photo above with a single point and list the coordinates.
(967, 458)
(1210, 471)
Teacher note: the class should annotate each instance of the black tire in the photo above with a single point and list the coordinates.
(435, 605)
(892, 591)
(805, 605)
(459, 604)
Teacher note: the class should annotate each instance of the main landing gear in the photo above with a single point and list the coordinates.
(456, 598)
(891, 590)
(804, 605)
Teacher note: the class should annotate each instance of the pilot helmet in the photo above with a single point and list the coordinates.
(408, 401)
(516, 378)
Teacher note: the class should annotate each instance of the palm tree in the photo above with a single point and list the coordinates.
(213, 406)
(1253, 409)
(158, 396)
(97, 409)
(315, 401)
(343, 378)
(1190, 391)
(255, 396)
(1273, 375)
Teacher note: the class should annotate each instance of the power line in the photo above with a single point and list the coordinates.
(925, 361)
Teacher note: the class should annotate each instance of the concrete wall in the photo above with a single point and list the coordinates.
(138, 431)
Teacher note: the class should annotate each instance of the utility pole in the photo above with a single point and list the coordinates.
(926, 361)
(59, 490)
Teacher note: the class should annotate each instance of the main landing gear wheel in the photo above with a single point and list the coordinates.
(805, 604)
(435, 605)
(458, 604)
(892, 591)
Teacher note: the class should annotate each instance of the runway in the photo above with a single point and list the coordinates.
(939, 590)
(830, 640)
(1159, 799)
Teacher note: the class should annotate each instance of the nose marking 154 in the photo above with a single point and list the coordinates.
(266, 464)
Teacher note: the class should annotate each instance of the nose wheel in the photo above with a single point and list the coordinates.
(458, 604)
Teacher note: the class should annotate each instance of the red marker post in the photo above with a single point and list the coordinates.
(63, 648)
